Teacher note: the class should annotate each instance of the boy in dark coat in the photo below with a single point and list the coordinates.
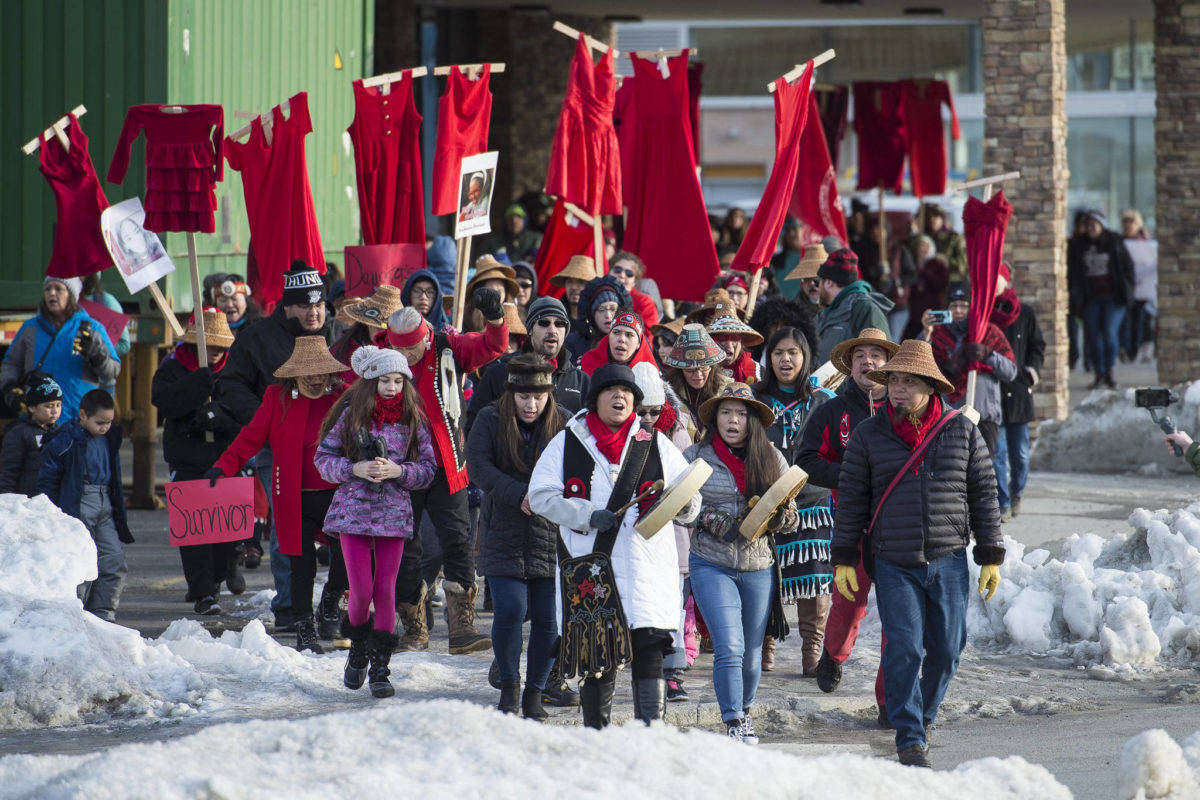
(21, 453)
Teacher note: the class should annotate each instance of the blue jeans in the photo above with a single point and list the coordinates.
(735, 606)
(1012, 461)
(1102, 330)
(924, 615)
(281, 565)
(511, 599)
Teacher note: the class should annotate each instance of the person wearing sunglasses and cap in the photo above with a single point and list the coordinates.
(629, 270)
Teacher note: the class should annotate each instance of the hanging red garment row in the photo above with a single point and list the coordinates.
(879, 123)
(833, 102)
(183, 163)
(604, 151)
(464, 115)
(695, 85)
(279, 204)
(984, 226)
(668, 223)
(78, 243)
(567, 176)
(926, 135)
(815, 199)
(565, 236)
(791, 111)
(386, 134)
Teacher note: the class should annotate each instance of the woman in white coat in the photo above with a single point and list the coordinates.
(571, 485)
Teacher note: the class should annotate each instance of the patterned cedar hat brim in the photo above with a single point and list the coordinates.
(375, 310)
(742, 393)
(694, 349)
(310, 357)
(579, 268)
(840, 355)
(913, 357)
(727, 324)
(705, 313)
(674, 327)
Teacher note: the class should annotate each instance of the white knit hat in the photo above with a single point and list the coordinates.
(650, 382)
(74, 285)
(370, 361)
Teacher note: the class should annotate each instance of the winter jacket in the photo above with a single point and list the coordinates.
(947, 341)
(1192, 457)
(951, 246)
(182, 396)
(21, 456)
(252, 361)
(720, 492)
(646, 570)
(570, 385)
(1120, 269)
(643, 305)
(786, 434)
(855, 307)
(827, 432)
(36, 342)
(375, 509)
(512, 544)
(934, 508)
(441, 258)
(61, 475)
(1029, 352)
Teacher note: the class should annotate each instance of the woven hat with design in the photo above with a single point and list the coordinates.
(811, 258)
(216, 330)
(672, 328)
(716, 301)
(695, 349)
(914, 357)
(736, 391)
(841, 353)
(728, 324)
(580, 268)
(310, 357)
(374, 310)
(489, 269)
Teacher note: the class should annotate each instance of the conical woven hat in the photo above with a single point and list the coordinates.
(375, 310)
(674, 327)
(580, 268)
(915, 357)
(725, 322)
(512, 318)
(736, 391)
(716, 301)
(310, 357)
(840, 355)
(216, 330)
(695, 349)
(811, 259)
(494, 271)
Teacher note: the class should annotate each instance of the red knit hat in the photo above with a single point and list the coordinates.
(630, 320)
(841, 267)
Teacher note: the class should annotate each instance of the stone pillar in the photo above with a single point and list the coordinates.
(1177, 121)
(1025, 128)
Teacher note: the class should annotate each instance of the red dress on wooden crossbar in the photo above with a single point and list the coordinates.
(78, 244)
(386, 134)
(464, 115)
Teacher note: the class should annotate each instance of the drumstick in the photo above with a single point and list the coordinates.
(654, 487)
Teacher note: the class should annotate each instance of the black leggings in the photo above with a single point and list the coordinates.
(313, 507)
(650, 645)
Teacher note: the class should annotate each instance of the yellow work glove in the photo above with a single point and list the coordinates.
(846, 580)
(989, 579)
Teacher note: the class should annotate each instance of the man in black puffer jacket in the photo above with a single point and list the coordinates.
(927, 469)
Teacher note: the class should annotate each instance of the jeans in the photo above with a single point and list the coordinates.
(1139, 327)
(735, 606)
(512, 598)
(281, 565)
(924, 615)
(1012, 461)
(897, 321)
(1102, 328)
(96, 513)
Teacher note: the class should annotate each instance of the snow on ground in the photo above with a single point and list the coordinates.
(1153, 765)
(452, 748)
(1128, 603)
(1106, 432)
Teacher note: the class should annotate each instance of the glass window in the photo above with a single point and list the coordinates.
(1099, 54)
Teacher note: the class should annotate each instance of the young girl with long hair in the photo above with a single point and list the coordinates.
(375, 446)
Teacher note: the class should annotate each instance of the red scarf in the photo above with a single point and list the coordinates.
(187, 355)
(598, 356)
(914, 434)
(744, 369)
(1006, 309)
(388, 410)
(666, 419)
(736, 465)
(609, 442)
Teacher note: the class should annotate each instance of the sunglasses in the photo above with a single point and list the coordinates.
(545, 322)
(649, 412)
(618, 272)
(525, 284)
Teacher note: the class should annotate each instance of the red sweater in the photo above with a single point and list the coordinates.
(643, 304)
(292, 434)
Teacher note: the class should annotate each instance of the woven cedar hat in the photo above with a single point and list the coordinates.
(529, 372)
(375, 310)
(216, 330)
(811, 259)
(489, 269)
(716, 301)
(310, 357)
(695, 349)
(580, 268)
(728, 323)
(512, 318)
(674, 327)
(736, 391)
(915, 357)
(840, 356)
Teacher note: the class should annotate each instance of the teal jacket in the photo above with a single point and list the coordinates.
(855, 307)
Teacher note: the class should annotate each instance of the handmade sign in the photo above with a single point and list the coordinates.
(201, 514)
(370, 265)
(114, 322)
(477, 181)
(139, 255)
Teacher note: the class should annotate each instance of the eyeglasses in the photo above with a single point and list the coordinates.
(424, 292)
(649, 412)
(546, 322)
(617, 272)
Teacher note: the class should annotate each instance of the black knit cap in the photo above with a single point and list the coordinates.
(529, 372)
(841, 267)
(40, 388)
(613, 375)
(302, 285)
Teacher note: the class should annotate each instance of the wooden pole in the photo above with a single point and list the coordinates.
(165, 308)
(460, 280)
(197, 300)
(145, 426)
(598, 244)
(754, 283)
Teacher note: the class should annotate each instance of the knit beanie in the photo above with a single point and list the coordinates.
(406, 327)
(370, 361)
(630, 320)
(74, 285)
(651, 383)
(605, 295)
(302, 285)
(529, 372)
(40, 388)
(545, 307)
(841, 267)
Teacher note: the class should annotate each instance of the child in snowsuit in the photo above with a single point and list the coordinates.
(21, 453)
(375, 445)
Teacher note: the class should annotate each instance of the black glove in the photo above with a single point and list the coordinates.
(976, 352)
(213, 476)
(602, 519)
(13, 395)
(213, 417)
(89, 345)
(488, 302)
(718, 523)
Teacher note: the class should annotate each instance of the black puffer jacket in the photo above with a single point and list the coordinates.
(928, 515)
(513, 544)
(1029, 353)
(21, 456)
(570, 385)
(182, 397)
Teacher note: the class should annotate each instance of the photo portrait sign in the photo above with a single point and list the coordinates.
(139, 255)
(476, 183)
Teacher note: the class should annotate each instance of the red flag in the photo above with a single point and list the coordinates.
(815, 199)
(565, 236)
(792, 102)
(984, 225)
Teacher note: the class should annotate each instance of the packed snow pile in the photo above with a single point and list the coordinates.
(1154, 767)
(1130, 602)
(445, 748)
(1108, 433)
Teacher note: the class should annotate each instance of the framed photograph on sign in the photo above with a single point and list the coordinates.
(139, 255)
(477, 181)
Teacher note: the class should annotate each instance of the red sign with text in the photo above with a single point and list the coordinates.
(201, 514)
(369, 265)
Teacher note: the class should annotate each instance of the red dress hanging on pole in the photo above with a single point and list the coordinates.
(604, 151)
(183, 164)
(78, 244)
(879, 123)
(568, 177)
(668, 223)
(386, 134)
(815, 199)
(464, 115)
(984, 226)
(565, 236)
(279, 205)
(791, 111)
(926, 135)
(695, 85)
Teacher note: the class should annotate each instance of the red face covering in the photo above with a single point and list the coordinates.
(609, 442)
(666, 419)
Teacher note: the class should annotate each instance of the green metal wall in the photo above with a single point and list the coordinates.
(54, 55)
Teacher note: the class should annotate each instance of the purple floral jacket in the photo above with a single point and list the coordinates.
(358, 507)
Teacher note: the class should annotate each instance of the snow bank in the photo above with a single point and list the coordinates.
(1130, 602)
(446, 748)
(1152, 765)
(1108, 433)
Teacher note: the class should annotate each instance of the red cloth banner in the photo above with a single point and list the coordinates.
(984, 226)
(370, 265)
(201, 514)
(815, 199)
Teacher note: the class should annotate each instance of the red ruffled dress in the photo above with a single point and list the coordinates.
(183, 163)
(464, 115)
(78, 244)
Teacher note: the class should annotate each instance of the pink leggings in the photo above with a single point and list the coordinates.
(367, 584)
